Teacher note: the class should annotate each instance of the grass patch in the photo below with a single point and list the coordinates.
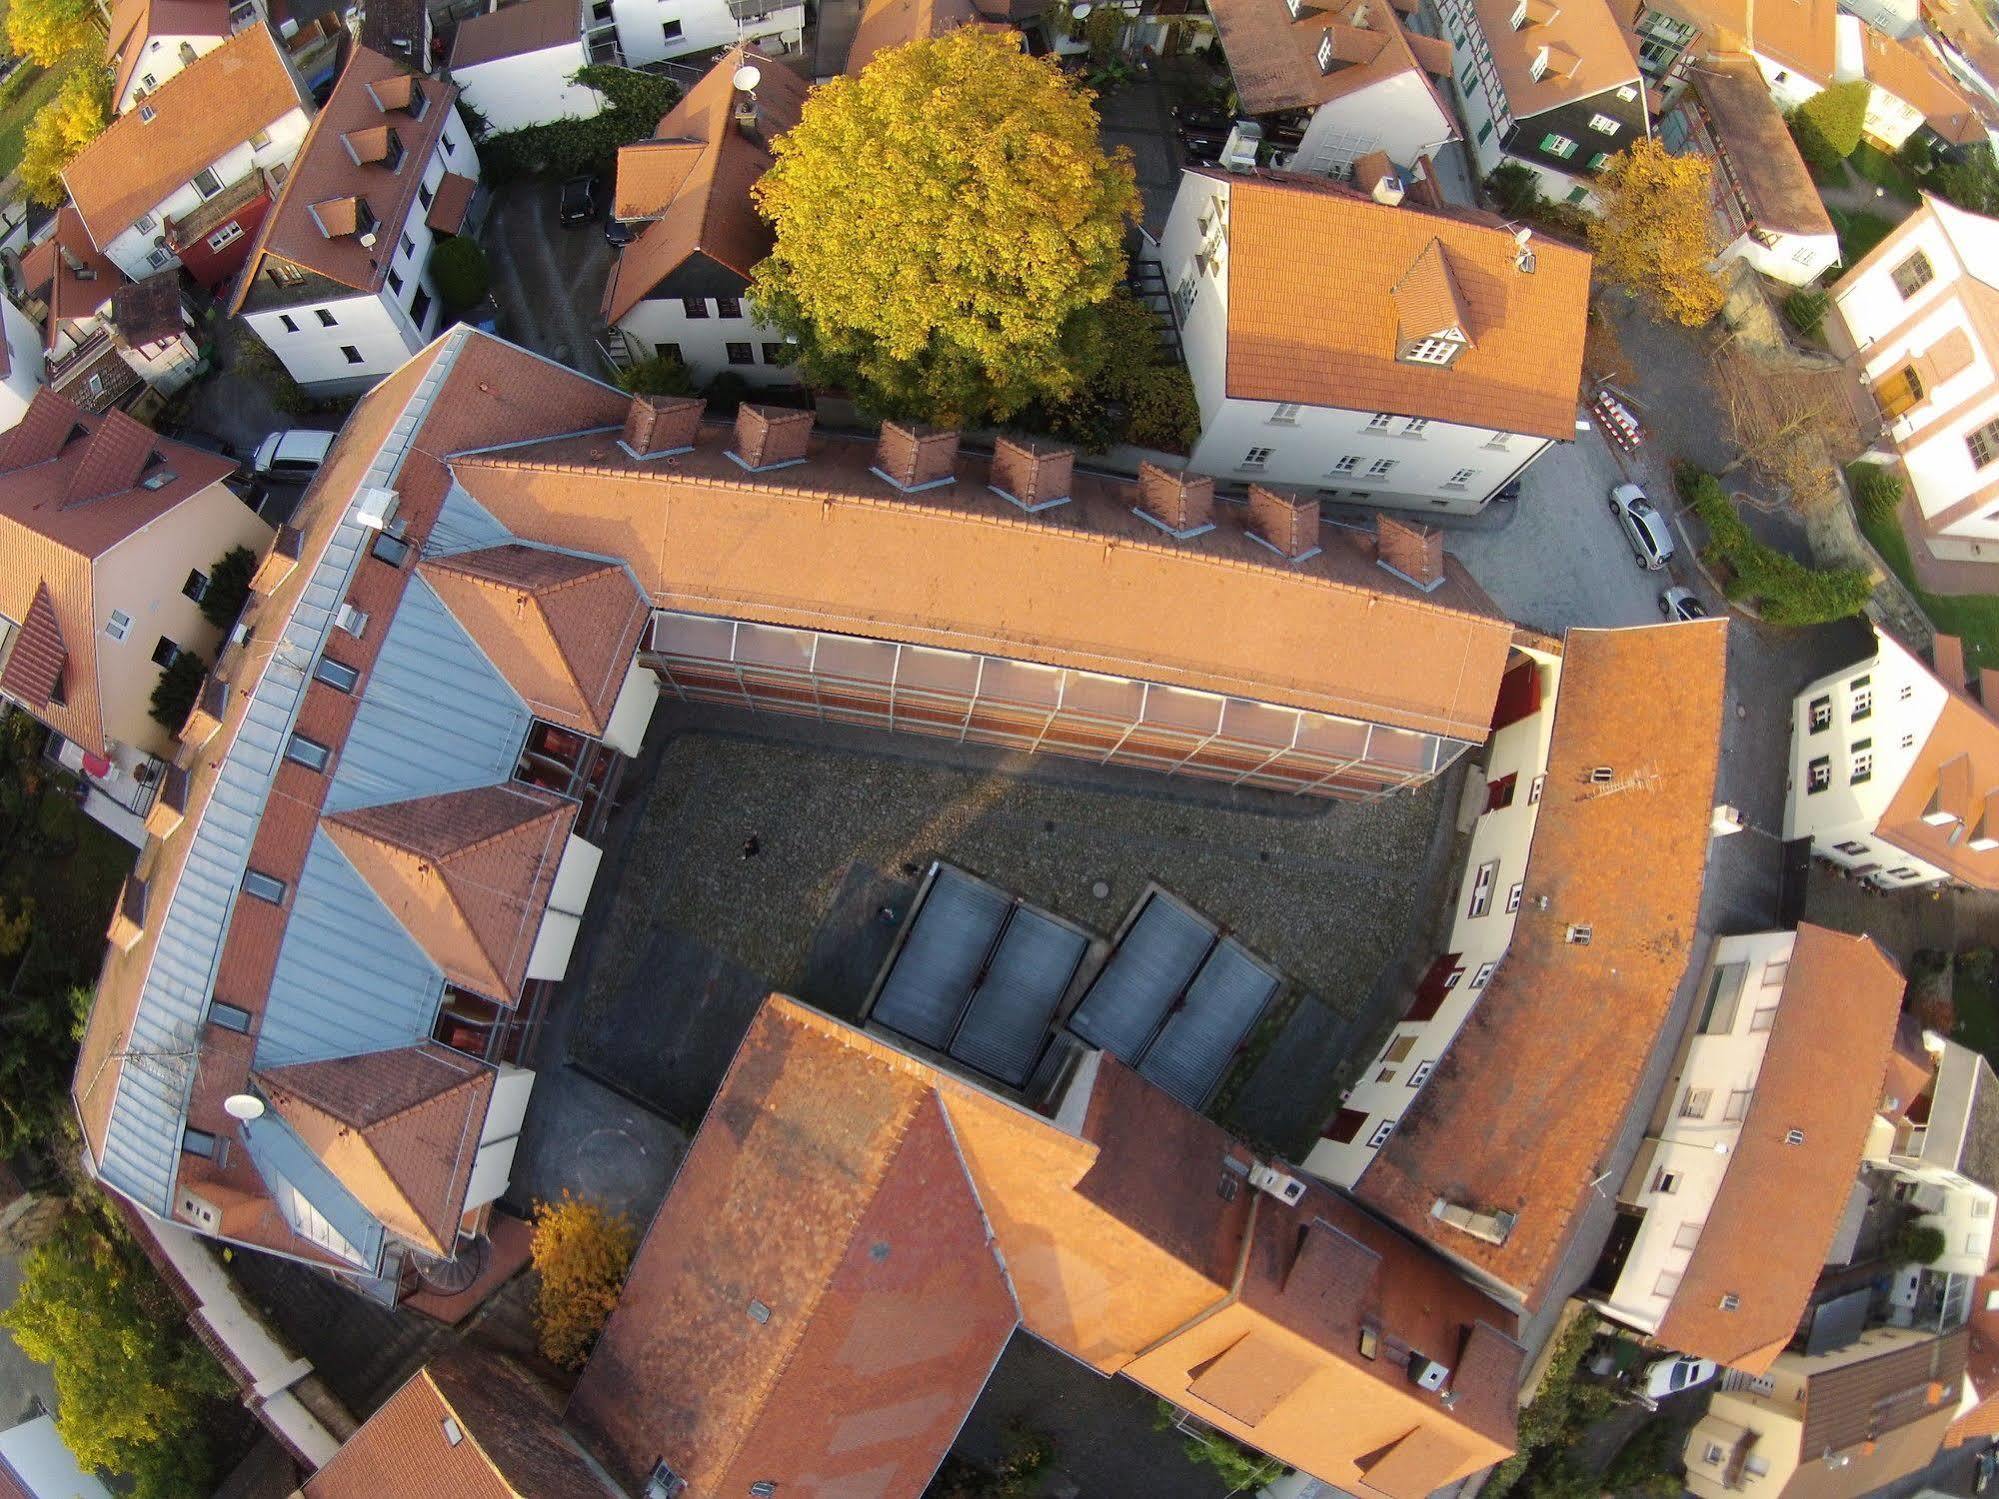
(1883, 170)
(1973, 618)
(1971, 994)
(21, 98)
(1858, 232)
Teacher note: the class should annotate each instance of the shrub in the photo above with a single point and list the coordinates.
(662, 375)
(174, 694)
(1163, 411)
(1562, 1409)
(1784, 590)
(726, 392)
(581, 1253)
(1877, 490)
(1805, 311)
(634, 102)
(1028, 1456)
(458, 266)
(1836, 116)
(228, 586)
(1514, 188)
(1918, 1244)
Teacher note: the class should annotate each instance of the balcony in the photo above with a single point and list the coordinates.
(218, 210)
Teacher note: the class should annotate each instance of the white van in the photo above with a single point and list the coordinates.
(296, 454)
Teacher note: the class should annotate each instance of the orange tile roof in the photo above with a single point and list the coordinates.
(69, 273)
(1822, 1073)
(453, 201)
(134, 23)
(1590, 52)
(561, 628)
(516, 30)
(1799, 34)
(1627, 859)
(649, 175)
(1954, 772)
(887, 24)
(1274, 57)
(1911, 74)
(710, 212)
(1981, 1367)
(467, 873)
(200, 115)
(35, 663)
(326, 173)
(1290, 341)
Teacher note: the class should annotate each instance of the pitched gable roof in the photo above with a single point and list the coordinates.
(1952, 778)
(1427, 301)
(36, 659)
(515, 31)
(1588, 53)
(1760, 155)
(887, 24)
(1274, 56)
(650, 174)
(467, 873)
(134, 24)
(68, 272)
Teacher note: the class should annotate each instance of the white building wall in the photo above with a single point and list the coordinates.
(24, 363)
(1889, 121)
(132, 249)
(1399, 115)
(1787, 86)
(162, 60)
(653, 30)
(704, 342)
(1796, 259)
(36, 1454)
(532, 89)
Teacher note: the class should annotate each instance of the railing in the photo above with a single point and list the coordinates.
(216, 211)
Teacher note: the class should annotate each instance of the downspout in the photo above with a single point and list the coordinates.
(1228, 1299)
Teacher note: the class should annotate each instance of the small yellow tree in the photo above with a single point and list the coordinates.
(63, 127)
(1654, 235)
(581, 1253)
(47, 31)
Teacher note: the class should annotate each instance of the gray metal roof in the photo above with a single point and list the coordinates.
(1153, 964)
(463, 525)
(287, 1165)
(1005, 1025)
(1223, 1003)
(1839, 1322)
(949, 937)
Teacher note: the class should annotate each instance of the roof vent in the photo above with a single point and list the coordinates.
(1579, 933)
(1493, 1227)
(1180, 504)
(661, 426)
(1285, 522)
(1412, 552)
(1602, 775)
(374, 507)
(769, 437)
(1032, 475)
(1240, 149)
(352, 620)
(759, 1313)
(1427, 1372)
(914, 458)
(453, 1432)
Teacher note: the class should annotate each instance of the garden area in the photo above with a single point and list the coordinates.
(1973, 618)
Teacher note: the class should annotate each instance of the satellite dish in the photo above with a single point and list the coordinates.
(243, 1106)
(1081, 12)
(747, 77)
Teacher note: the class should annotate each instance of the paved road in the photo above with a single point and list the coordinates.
(23, 1382)
(547, 279)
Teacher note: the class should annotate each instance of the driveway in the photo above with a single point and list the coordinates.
(547, 279)
(1139, 117)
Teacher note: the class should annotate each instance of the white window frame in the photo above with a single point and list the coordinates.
(1604, 125)
(119, 625)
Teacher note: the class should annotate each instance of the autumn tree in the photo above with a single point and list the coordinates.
(946, 220)
(61, 128)
(581, 1253)
(1791, 427)
(46, 31)
(1654, 235)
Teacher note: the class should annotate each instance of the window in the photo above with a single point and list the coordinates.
(664, 1483)
(1499, 793)
(119, 625)
(742, 354)
(1386, 1075)
(409, 245)
(263, 886)
(1481, 890)
(164, 652)
(1818, 775)
(260, 140)
(1460, 478)
(307, 752)
(694, 307)
(1429, 351)
(670, 30)
(1821, 714)
(1379, 421)
(1419, 1075)
(1380, 468)
(1513, 899)
(1484, 132)
(1381, 1133)
(1730, 1301)
(1256, 458)
(1687, 1235)
(144, 224)
(1913, 274)
(1484, 974)
(1285, 414)
(1860, 768)
(207, 183)
(1713, 1453)
(1860, 698)
(777, 353)
(1983, 443)
(1794, 1137)
(1399, 1048)
(1599, 160)
(229, 1017)
(1665, 1181)
(326, 318)
(1695, 1104)
(1184, 294)
(228, 234)
(395, 281)
(1851, 849)
(1737, 1107)
(449, 145)
(423, 193)
(1326, 52)
(1414, 426)
(335, 674)
(350, 353)
(1347, 464)
(197, 1142)
(1534, 790)
(728, 307)
(1667, 1283)
(1603, 124)
(289, 325)
(419, 306)
(1763, 1019)
(157, 258)
(1558, 145)
(196, 584)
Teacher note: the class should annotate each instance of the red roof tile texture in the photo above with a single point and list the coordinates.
(34, 669)
(1274, 55)
(516, 30)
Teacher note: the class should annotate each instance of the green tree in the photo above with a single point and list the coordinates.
(228, 586)
(1918, 1244)
(1833, 117)
(1654, 235)
(47, 31)
(458, 266)
(1877, 490)
(1971, 181)
(60, 129)
(662, 375)
(943, 222)
(136, 1392)
(174, 694)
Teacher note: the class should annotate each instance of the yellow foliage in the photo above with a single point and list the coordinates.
(581, 1253)
(63, 127)
(942, 220)
(1655, 235)
(47, 31)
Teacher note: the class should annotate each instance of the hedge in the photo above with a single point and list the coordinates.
(1877, 490)
(634, 103)
(1784, 590)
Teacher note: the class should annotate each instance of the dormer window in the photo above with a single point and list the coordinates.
(1326, 52)
(1295, 7)
(392, 157)
(1440, 349)
(1540, 67)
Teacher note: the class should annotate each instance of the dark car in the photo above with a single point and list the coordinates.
(619, 233)
(1203, 148)
(579, 201)
(1508, 491)
(1204, 119)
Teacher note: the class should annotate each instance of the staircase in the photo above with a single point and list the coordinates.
(1145, 279)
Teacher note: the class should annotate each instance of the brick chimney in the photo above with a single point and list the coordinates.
(770, 437)
(913, 458)
(1033, 475)
(656, 426)
(1412, 552)
(128, 919)
(1287, 523)
(1180, 504)
(1375, 175)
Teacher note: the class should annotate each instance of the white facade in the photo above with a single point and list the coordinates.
(710, 344)
(351, 342)
(1794, 259)
(136, 250)
(24, 364)
(1487, 898)
(1400, 115)
(1855, 735)
(1369, 457)
(532, 88)
(1788, 86)
(35, 1452)
(653, 30)
(1924, 1159)
(161, 58)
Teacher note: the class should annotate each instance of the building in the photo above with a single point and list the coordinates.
(517, 66)
(1549, 85)
(148, 41)
(1450, 362)
(1773, 1099)
(1894, 769)
(1941, 1152)
(1832, 1425)
(1910, 89)
(339, 282)
(635, 33)
(187, 177)
(680, 289)
(35, 1464)
(1121, 1227)
(21, 349)
(1794, 43)
(1341, 80)
(107, 532)
(467, 1423)
(1918, 321)
(1766, 208)
(1495, 1163)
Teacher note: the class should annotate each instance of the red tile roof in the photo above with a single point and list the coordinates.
(134, 23)
(67, 271)
(1274, 56)
(452, 203)
(35, 663)
(516, 30)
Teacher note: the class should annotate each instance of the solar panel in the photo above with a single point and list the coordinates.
(1152, 966)
(941, 958)
(1006, 1023)
(1225, 1000)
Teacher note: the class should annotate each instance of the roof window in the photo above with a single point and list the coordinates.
(453, 1432)
(1579, 934)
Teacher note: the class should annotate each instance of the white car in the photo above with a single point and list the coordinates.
(1669, 1376)
(1644, 527)
(1681, 604)
(296, 454)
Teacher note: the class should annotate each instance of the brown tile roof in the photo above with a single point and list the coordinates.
(650, 174)
(1589, 52)
(1864, 1400)
(467, 873)
(1955, 771)
(1761, 156)
(561, 628)
(200, 115)
(326, 174)
(1289, 341)
(1981, 1366)
(1427, 300)
(149, 311)
(452, 202)
(710, 212)
(396, 28)
(1911, 74)
(860, 1322)
(515, 30)
(68, 273)
(826, 544)
(1800, 34)
(886, 24)
(399, 1128)
(1627, 859)
(35, 663)
(1822, 1073)
(1274, 58)
(134, 23)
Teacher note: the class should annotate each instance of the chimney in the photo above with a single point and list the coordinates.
(1182, 505)
(128, 920)
(660, 426)
(169, 807)
(769, 437)
(1414, 553)
(1286, 523)
(279, 560)
(913, 458)
(1032, 475)
(1375, 175)
(205, 717)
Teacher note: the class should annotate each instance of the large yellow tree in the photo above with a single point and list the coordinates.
(47, 31)
(60, 129)
(1654, 235)
(946, 226)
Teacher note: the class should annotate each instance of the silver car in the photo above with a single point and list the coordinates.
(1644, 527)
(1679, 604)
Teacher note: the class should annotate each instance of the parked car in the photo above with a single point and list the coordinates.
(296, 454)
(579, 201)
(1644, 527)
(1206, 119)
(618, 233)
(1206, 149)
(1508, 491)
(1981, 1477)
(1680, 604)
(1669, 1376)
